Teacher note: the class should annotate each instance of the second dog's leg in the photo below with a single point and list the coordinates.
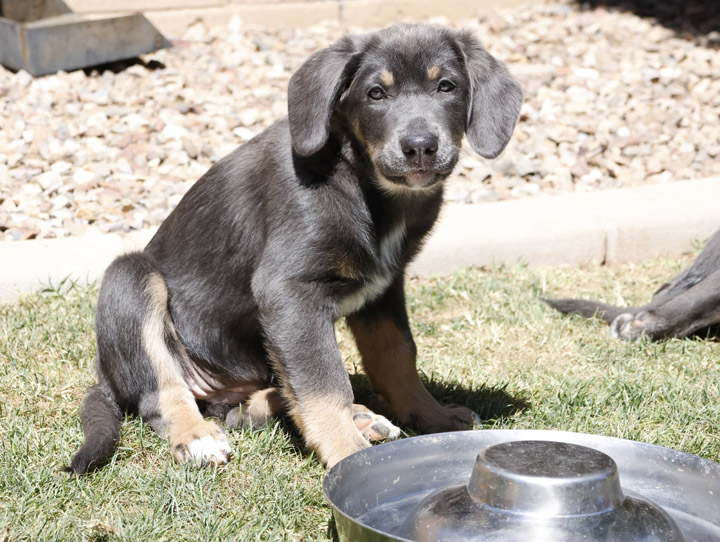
(706, 263)
(680, 316)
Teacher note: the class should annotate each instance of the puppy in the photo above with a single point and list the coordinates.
(234, 300)
(687, 305)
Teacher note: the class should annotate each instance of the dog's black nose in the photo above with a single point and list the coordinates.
(418, 146)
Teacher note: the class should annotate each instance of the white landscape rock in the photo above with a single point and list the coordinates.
(611, 100)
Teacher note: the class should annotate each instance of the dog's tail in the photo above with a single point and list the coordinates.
(101, 417)
(590, 309)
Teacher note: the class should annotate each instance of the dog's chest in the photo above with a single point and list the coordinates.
(389, 255)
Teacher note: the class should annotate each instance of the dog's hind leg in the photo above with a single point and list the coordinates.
(124, 374)
(139, 365)
(261, 408)
(172, 410)
(682, 315)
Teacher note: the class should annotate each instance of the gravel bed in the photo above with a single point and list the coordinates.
(611, 100)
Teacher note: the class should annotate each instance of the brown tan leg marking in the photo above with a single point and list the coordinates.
(390, 364)
(327, 426)
(191, 437)
(261, 408)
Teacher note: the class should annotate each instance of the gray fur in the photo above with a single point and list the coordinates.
(260, 254)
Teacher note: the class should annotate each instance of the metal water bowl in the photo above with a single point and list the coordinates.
(514, 486)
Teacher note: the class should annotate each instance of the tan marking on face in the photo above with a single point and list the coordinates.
(389, 360)
(433, 72)
(358, 132)
(387, 78)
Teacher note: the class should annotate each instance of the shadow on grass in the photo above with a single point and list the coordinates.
(711, 333)
(697, 18)
(490, 403)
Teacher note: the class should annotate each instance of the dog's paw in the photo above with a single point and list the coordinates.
(631, 327)
(258, 411)
(205, 445)
(239, 417)
(461, 417)
(373, 426)
(450, 417)
(232, 418)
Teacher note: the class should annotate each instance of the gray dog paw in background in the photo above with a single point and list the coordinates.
(687, 305)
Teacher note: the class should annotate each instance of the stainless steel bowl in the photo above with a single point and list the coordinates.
(524, 485)
(539, 490)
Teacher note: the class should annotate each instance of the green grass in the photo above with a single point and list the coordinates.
(485, 339)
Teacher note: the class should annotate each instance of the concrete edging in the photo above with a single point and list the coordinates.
(173, 17)
(610, 227)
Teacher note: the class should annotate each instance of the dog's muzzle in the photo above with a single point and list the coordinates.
(417, 160)
(419, 151)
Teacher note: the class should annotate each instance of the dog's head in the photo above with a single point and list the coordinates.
(408, 94)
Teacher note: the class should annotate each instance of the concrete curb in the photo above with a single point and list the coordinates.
(173, 17)
(610, 227)
(30, 265)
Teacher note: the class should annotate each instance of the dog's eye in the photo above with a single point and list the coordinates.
(376, 93)
(446, 86)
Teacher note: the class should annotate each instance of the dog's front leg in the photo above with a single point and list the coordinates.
(383, 336)
(297, 319)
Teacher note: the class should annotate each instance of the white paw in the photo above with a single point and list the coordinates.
(209, 450)
(619, 324)
(630, 327)
(375, 427)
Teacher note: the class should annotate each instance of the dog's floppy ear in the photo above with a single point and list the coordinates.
(313, 91)
(495, 99)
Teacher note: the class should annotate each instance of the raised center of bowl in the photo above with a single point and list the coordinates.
(545, 478)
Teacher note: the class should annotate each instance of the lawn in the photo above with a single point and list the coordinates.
(485, 339)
